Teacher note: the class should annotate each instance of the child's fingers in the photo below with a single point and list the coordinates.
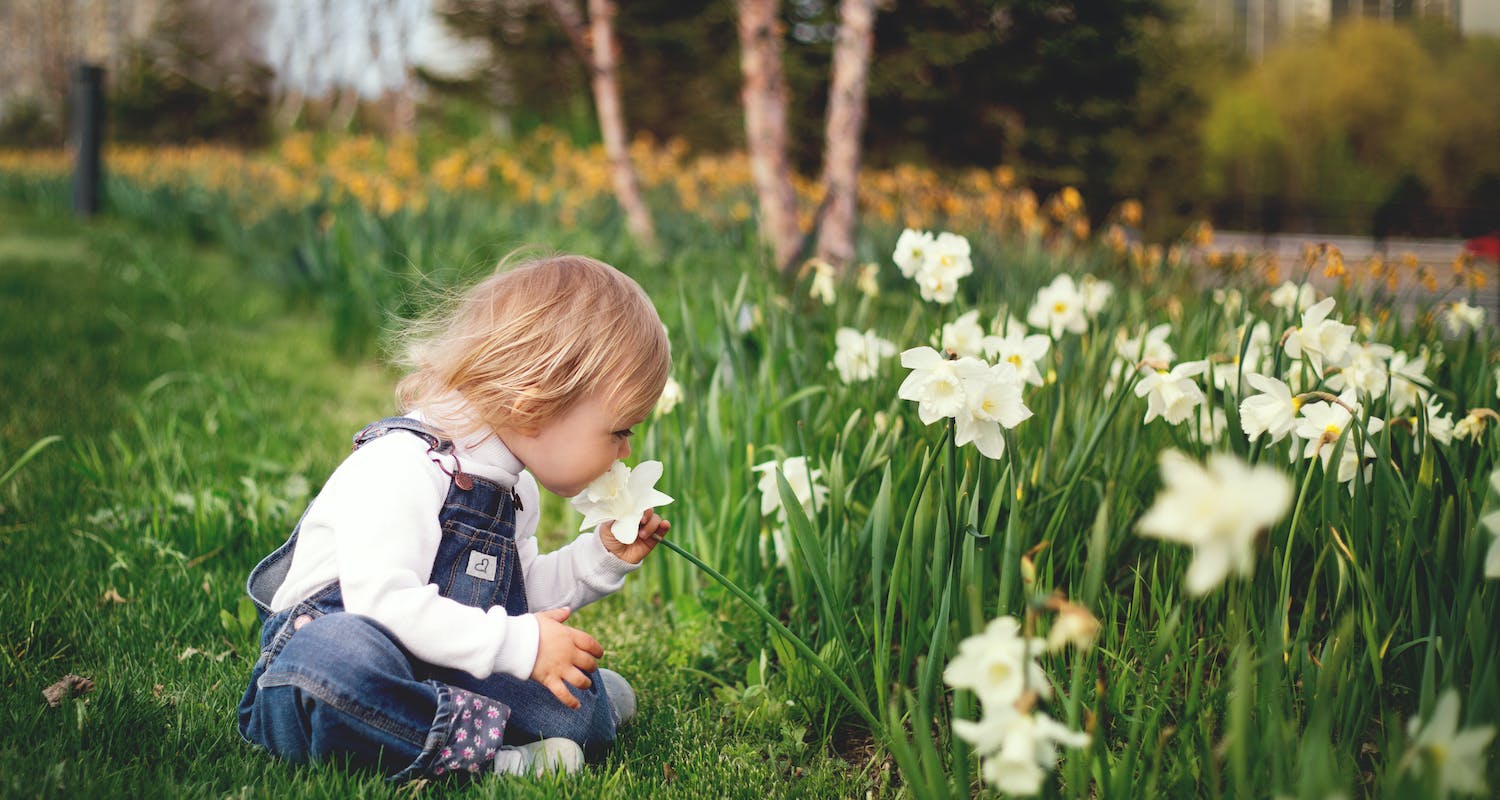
(556, 614)
(560, 691)
(577, 677)
(588, 644)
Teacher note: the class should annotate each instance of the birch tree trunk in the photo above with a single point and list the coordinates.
(596, 47)
(765, 98)
(846, 124)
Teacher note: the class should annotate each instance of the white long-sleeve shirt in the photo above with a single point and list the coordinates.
(374, 528)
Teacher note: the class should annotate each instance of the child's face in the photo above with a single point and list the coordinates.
(569, 452)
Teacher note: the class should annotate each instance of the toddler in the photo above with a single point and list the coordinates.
(409, 622)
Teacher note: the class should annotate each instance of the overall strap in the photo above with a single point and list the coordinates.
(436, 444)
(381, 427)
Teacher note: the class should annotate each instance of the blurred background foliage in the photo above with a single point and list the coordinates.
(1356, 127)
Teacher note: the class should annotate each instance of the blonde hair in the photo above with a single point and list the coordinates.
(525, 344)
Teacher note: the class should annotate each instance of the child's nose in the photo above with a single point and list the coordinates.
(624, 450)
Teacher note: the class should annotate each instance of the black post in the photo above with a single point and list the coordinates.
(86, 136)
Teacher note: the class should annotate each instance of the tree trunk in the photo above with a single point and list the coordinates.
(596, 47)
(846, 123)
(764, 96)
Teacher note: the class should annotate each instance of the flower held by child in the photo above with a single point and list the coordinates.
(621, 496)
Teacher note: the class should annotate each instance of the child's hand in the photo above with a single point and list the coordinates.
(651, 530)
(563, 655)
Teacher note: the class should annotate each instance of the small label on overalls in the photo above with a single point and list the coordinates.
(481, 565)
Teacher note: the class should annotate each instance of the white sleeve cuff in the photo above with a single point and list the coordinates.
(608, 562)
(517, 657)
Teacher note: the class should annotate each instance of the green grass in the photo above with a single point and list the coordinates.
(197, 411)
(209, 407)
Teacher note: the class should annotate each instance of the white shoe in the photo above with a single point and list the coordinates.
(536, 758)
(621, 696)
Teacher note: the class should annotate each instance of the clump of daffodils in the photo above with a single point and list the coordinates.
(936, 263)
(857, 356)
(1016, 742)
(1218, 509)
(980, 397)
(621, 496)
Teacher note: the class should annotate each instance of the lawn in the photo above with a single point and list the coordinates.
(197, 411)
(1157, 522)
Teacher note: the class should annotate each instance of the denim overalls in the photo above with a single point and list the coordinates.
(329, 683)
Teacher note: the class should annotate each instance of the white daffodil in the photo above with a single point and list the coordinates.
(1365, 371)
(1291, 297)
(992, 398)
(857, 356)
(1322, 341)
(1075, 626)
(1459, 318)
(824, 286)
(1471, 427)
(935, 263)
(1208, 425)
(1497, 383)
(937, 286)
(1408, 380)
(934, 384)
(1492, 522)
(1018, 748)
(1273, 411)
(671, 395)
(1229, 376)
(1219, 511)
(912, 249)
(1020, 351)
(951, 254)
(804, 485)
(1456, 756)
(1006, 325)
(777, 539)
(1439, 425)
(964, 336)
(1230, 300)
(1171, 395)
(1096, 294)
(747, 318)
(1059, 307)
(868, 281)
(1321, 425)
(1149, 345)
(998, 665)
(622, 495)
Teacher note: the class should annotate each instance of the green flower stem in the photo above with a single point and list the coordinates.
(796, 641)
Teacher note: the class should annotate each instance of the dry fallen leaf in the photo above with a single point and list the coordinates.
(70, 686)
(113, 596)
